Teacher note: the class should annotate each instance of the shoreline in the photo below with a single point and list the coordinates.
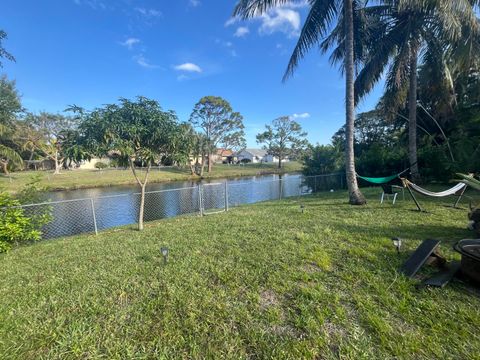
(91, 179)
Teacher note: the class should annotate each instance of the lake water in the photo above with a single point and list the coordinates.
(86, 210)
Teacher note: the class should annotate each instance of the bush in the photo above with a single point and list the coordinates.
(100, 165)
(245, 161)
(15, 226)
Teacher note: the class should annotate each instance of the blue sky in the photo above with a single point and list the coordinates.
(91, 52)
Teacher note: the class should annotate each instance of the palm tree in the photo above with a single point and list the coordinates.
(321, 17)
(413, 30)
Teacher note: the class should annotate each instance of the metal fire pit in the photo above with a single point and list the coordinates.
(470, 265)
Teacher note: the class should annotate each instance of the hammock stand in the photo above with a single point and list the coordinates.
(384, 183)
(458, 190)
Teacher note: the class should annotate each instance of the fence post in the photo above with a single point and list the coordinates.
(315, 182)
(200, 199)
(341, 181)
(226, 196)
(94, 216)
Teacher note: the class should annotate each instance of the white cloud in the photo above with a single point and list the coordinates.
(143, 62)
(130, 42)
(228, 45)
(182, 77)
(305, 115)
(194, 3)
(94, 4)
(298, 4)
(280, 20)
(188, 67)
(284, 18)
(241, 31)
(151, 13)
(231, 21)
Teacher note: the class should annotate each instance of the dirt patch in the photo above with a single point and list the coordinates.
(311, 268)
(334, 331)
(268, 298)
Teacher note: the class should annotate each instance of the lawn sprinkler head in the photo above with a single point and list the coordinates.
(164, 251)
(397, 242)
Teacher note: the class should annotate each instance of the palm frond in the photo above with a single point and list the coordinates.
(247, 9)
(317, 23)
(396, 85)
(384, 47)
(470, 181)
(10, 154)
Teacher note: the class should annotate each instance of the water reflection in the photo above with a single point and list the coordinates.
(117, 206)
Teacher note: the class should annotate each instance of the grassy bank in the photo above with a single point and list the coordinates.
(261, 281)
(78, 179)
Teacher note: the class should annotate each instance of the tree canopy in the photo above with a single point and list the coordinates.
(283, 137)
(221, 125)
(135, 132)
(10, 109)
(4, 54)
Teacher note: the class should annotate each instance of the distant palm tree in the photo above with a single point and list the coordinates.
(413, 30)
(321, 17)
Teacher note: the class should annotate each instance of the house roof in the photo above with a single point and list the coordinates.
(224, 152)
(257, 152)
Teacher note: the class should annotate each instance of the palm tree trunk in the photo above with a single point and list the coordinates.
(412, 116)
(356, 197)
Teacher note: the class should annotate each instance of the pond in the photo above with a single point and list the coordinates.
(89, 210)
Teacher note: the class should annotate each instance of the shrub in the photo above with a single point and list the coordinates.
(245, 161)
(15, 226)
(32, 192)
(100, 165)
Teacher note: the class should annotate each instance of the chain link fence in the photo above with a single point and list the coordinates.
(91, 215)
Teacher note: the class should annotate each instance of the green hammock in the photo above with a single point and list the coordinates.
(379, 181)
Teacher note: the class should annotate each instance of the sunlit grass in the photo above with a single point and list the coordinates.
(261, 281)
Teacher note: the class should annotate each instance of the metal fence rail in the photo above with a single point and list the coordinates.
(91, 215)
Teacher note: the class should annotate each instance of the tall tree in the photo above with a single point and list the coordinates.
(283, 138)
(221, 125)
(46, 133)
(10, 108)
(137, 132)
(413, 28)
(320, 20)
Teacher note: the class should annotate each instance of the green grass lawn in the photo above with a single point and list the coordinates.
(77, 179)
(261, 281)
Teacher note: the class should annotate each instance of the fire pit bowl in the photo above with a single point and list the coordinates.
(470, 251)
